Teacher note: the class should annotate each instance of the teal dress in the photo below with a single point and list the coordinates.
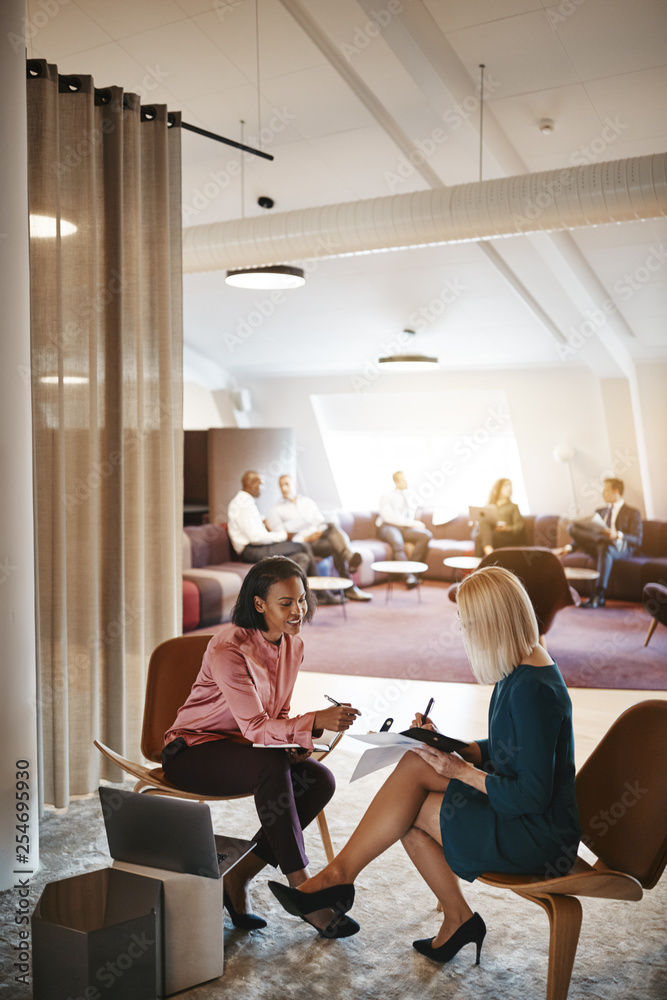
(528, 822)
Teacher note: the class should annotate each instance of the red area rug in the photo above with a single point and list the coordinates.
(601, 648)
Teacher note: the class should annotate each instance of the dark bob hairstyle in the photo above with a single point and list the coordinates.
(258, 582)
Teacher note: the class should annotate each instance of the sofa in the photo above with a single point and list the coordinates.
(212, 572)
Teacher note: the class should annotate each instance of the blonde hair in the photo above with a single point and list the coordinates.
(497, 487)
(498, 622)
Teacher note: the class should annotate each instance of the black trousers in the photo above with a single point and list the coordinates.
(287, 796)
(334, 543)
(601, 548)
(298, 551)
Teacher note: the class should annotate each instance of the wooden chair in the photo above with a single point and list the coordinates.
(172, 670)
(654, 598)
(622, 797)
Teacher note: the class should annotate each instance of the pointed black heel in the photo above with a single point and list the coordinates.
(471, 932)
(336, 897)
(245, 921)
(339, 898)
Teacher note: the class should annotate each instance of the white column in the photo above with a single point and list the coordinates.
(18, 715)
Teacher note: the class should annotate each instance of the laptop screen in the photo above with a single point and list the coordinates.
(160, 832)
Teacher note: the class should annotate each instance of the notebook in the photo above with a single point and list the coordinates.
(165, 832)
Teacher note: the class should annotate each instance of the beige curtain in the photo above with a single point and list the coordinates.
(106, 300)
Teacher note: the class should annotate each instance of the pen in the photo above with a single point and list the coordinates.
(332, 700)
(428, 709)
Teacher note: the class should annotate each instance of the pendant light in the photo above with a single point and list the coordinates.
(409, 361)
(279, 277)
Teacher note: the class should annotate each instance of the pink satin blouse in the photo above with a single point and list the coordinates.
(244, 687)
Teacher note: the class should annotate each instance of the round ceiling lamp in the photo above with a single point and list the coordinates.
(279, 277)
(408, 363)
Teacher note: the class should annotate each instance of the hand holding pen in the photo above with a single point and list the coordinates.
(338, 718)
(423, 721)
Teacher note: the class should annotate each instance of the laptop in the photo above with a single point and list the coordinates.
(477, 513)
(160, 831)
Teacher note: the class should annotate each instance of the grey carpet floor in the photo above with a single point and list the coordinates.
(622, 950)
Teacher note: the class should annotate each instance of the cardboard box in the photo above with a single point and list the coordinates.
(192, 927)
(97, 937)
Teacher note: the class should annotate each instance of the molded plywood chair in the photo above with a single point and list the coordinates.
(172, 670)
(654, 598)
(623, 822)
(542, 574)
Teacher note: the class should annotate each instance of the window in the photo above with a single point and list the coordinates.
(452, 446)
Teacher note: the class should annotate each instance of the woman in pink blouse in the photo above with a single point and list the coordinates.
(242, 696)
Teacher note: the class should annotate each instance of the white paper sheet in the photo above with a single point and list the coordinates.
(385, 749)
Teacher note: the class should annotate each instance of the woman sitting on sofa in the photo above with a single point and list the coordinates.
(501, 523)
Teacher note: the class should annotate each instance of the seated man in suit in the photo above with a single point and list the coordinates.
(397, 524)
(300, 517)
(249, 535)
(620, 535)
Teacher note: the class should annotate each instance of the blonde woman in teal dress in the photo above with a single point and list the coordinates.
(507, 804)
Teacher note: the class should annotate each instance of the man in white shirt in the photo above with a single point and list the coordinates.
(301, 519)
(397, 524)
(248, 532)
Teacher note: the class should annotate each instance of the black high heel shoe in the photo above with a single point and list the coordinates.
(471, 932)
(245, 921)
(339, 898)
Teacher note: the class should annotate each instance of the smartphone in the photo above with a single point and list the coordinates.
(386, 725)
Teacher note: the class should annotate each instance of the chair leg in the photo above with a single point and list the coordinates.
(564, 914)
(651, 630)
(324, 834)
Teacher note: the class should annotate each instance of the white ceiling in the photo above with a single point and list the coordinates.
(347, 101)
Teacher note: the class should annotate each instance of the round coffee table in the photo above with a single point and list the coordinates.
(398, 567)
(338, 583)
(467, 564)
(581, 573)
